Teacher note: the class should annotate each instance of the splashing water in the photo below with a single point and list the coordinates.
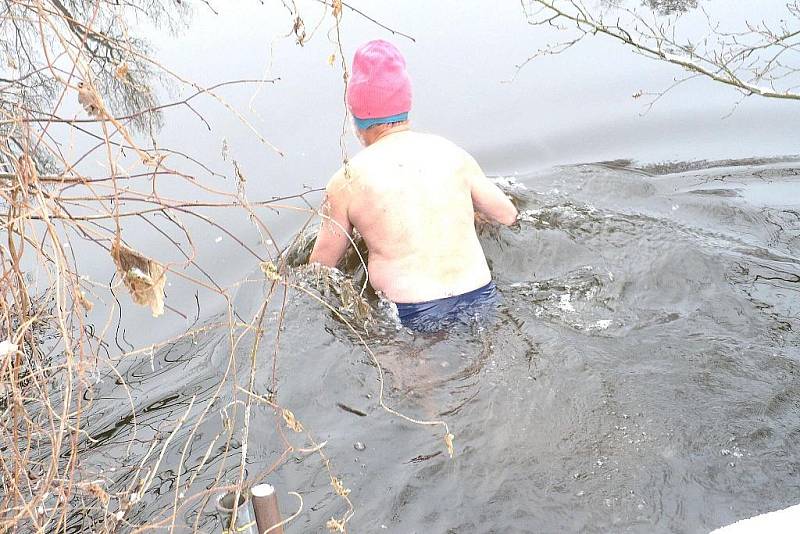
(642, 374)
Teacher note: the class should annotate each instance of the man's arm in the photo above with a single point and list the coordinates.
(488, 199)
(334, 234)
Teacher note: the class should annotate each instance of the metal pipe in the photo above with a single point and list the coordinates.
(265, 506)
(244, 517)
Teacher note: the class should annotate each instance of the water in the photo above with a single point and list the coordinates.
(642, 374)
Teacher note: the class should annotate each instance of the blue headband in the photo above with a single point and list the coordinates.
(363, 124)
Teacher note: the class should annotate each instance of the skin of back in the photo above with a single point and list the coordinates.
(412, 197)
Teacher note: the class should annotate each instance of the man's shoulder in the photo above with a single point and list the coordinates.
(445, 148)
(376, 154)
(339, 185)
(367, 164)
(437, 140)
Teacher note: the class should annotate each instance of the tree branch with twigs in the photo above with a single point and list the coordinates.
(757, 59)
(76, 66)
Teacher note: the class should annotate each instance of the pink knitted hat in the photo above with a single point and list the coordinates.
(379, 90)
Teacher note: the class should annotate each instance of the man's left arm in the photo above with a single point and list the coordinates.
(334, 234)
(488, 200)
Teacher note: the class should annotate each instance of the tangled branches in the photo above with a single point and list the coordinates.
(760, 59)
(62, 56)
(74, 67)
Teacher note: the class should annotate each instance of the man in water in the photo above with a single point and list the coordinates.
(413, 198)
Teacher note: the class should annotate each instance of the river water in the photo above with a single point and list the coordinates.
(643, 370)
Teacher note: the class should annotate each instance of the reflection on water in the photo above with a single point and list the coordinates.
(641, 375)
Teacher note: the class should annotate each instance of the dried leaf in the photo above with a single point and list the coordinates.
(339, 488)
(26, 171)
(448, 441)
(85, 303)
(291, 422)
(143, 277)
(331, 59)
(337, 8)
(238, 171)
(270, 271)
(299, 29)
(122, 71)
(90, 100)
(335, 525)
(94, 489)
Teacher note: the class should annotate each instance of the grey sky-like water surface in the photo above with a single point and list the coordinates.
(643, 372)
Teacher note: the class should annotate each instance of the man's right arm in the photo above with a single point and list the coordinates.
(488, 199)
(334, 233)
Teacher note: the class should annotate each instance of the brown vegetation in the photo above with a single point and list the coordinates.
(77, 66)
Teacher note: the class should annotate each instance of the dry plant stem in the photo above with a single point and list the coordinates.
(315, 448)
(217, 393)
(248, 405)
(200, 90)
(56, 205)
(153, 109)
(256, 327)
(368, 18)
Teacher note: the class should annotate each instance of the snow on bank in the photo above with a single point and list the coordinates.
(786, 521)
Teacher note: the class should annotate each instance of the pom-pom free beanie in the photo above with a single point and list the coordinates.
(380, 89)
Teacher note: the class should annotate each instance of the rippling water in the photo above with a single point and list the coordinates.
(642, 374)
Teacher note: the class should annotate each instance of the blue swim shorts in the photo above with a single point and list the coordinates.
(435, 315)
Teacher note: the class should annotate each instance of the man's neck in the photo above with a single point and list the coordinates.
(372, 137)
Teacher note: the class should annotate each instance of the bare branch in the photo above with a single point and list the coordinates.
(749, 61)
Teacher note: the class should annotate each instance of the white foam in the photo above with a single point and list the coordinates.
(509, 182)
(565, 304)
(603, 324)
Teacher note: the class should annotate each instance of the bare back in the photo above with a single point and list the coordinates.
(411, 197)
(411, 202)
